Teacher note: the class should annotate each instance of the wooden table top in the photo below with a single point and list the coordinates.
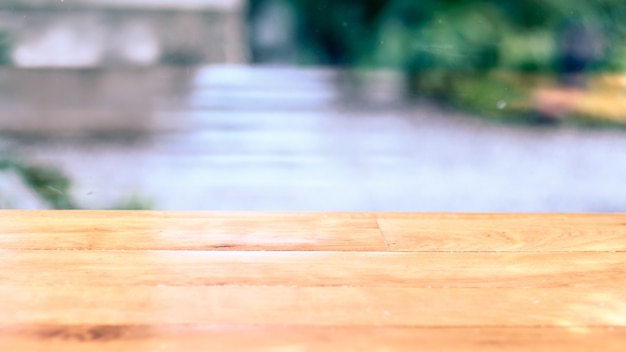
(184, 281)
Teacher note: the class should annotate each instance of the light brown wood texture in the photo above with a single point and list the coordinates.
(241, 338)
(126, 230)
(196, 281)
(310, 269)
(504, 232)
(426, 232)
(311, 306)
(62, 338)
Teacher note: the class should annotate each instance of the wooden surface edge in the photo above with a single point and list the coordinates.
(304, 338)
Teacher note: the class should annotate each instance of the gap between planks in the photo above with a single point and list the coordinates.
(382, 234)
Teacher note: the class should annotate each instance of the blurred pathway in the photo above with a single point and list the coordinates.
(271, 139)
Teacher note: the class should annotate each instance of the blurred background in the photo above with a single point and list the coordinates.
(304, 105)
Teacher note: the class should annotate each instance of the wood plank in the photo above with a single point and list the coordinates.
(130, 230)
(61, 338)
(315, 281)
(503, 232)
(382, 269)
(311, 231)
(311, 306)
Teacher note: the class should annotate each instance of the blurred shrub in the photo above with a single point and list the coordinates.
(4, 49)
(485, 56)
(457, 34)
(438, 37)
(133, 202)
(49, 184)
(490, 95)
(338, 32)
(53, 187)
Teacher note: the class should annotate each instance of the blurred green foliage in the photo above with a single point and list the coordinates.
(456, 34)
(50, 184)
(53, 187)
(484, 56)
(4, 49)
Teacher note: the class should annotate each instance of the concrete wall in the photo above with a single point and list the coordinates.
(94, 100)
(92, 33)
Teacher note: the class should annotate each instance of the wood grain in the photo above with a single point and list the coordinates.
(359, 269)
(143, 230)
(504, 232)
(70, 338)
(316, 306)
(150, 280)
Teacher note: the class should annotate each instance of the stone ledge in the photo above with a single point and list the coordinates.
(218, 5)
(98, 33)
